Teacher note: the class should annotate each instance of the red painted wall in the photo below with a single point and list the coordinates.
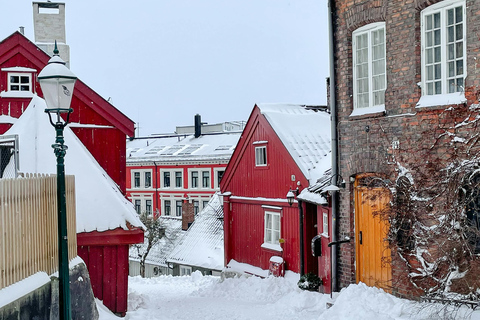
(244, 219)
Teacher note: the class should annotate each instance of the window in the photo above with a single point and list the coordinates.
(261, 156)
(138, 206)
(206, 179)
(219, 175)
(472, 202)
(141, 178)
(166, 179)
(148, 207)
(185, 271)
(194, 181)
(19, 82)
(325, 224)
(167, 209)
(204, 204)
(369, 66)
(148, 179)
(443, 48)
(272, 227)
(178, 208)
(196, 206)
(178, 179)
(137, 179)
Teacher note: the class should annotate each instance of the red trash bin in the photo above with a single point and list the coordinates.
(276, 266)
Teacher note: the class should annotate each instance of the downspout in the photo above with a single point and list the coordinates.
(156, 187)
(333, 115)
(302, 252)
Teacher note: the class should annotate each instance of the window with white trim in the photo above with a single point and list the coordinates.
(167, 207)
(178, 208)
(272, 227)
(205, 179)
(443, 28)
(261, 156)
(166, 179)
(141, 179)
(143, 204)
(369, 66)
(325, 224)
(178, 179)
(218, 173)
(20, 82)
(138, 206)
(196, 206)
(194, 179)
(185, 271)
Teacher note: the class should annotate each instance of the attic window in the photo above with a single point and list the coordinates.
(261, 156)
(20, 82)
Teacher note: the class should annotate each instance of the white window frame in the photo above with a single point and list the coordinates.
(209, 182)
(185, 271)
(442, 8)
(216, 184)
(163, 207)
(19, 74)
(173, 180)
(142, 179)
(143, 198)
(368, 30)
(272, 243)
(261, 157)
(325, 224)
(199, 181)
(181, 208)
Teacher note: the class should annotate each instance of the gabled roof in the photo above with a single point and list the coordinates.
(305, 133)
(202, 243)
(100, 204)
(17, 43)
(206, 147)
(159, 252)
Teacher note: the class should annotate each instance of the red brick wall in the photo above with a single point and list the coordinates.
(365, 142)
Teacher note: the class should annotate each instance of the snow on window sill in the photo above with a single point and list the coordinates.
(367, 111)
(270, 246)
(441, 100)
(16, 94)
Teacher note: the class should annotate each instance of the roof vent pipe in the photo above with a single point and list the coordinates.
(22, 30)
(198, 125)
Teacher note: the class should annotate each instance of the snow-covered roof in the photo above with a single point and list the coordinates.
(159, 252)
(206, 147)
(100, 205)
(306, 135)
(202, 243)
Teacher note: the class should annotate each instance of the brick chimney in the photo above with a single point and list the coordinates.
(188, 214)
(49, 26)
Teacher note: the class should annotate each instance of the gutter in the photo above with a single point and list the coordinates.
(333, 113)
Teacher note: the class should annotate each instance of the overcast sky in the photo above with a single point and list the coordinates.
(163, 61)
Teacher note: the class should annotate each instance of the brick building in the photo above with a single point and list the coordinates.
(406, 92)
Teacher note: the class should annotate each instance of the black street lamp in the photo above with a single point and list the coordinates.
(57, 83)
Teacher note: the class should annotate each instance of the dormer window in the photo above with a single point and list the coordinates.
(20, 82)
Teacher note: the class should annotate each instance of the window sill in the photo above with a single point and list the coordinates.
(274, 247)
(438, 100)
(360, 113)
(16, 94)
(265, 167)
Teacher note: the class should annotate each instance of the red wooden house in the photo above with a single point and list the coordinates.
(283, 147)
(103, 130)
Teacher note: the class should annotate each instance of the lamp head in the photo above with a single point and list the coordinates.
(57, 83)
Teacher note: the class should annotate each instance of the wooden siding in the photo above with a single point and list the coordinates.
(108, 268)
(28, 226)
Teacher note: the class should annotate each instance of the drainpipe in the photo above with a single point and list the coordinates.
(302, 249)
(333, 115)
(156, 187)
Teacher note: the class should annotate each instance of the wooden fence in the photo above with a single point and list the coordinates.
(28, 226)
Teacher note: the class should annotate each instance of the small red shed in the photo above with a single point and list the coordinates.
(102, 129)
(283, 147)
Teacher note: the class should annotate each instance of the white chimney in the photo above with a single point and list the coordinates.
(49, 26)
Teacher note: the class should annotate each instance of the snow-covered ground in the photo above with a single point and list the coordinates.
(252, 298)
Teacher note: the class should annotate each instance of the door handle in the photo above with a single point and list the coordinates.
(360, 238)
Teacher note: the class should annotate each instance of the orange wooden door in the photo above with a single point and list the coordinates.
(373, 253)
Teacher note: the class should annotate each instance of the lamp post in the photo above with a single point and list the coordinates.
(57, 83)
